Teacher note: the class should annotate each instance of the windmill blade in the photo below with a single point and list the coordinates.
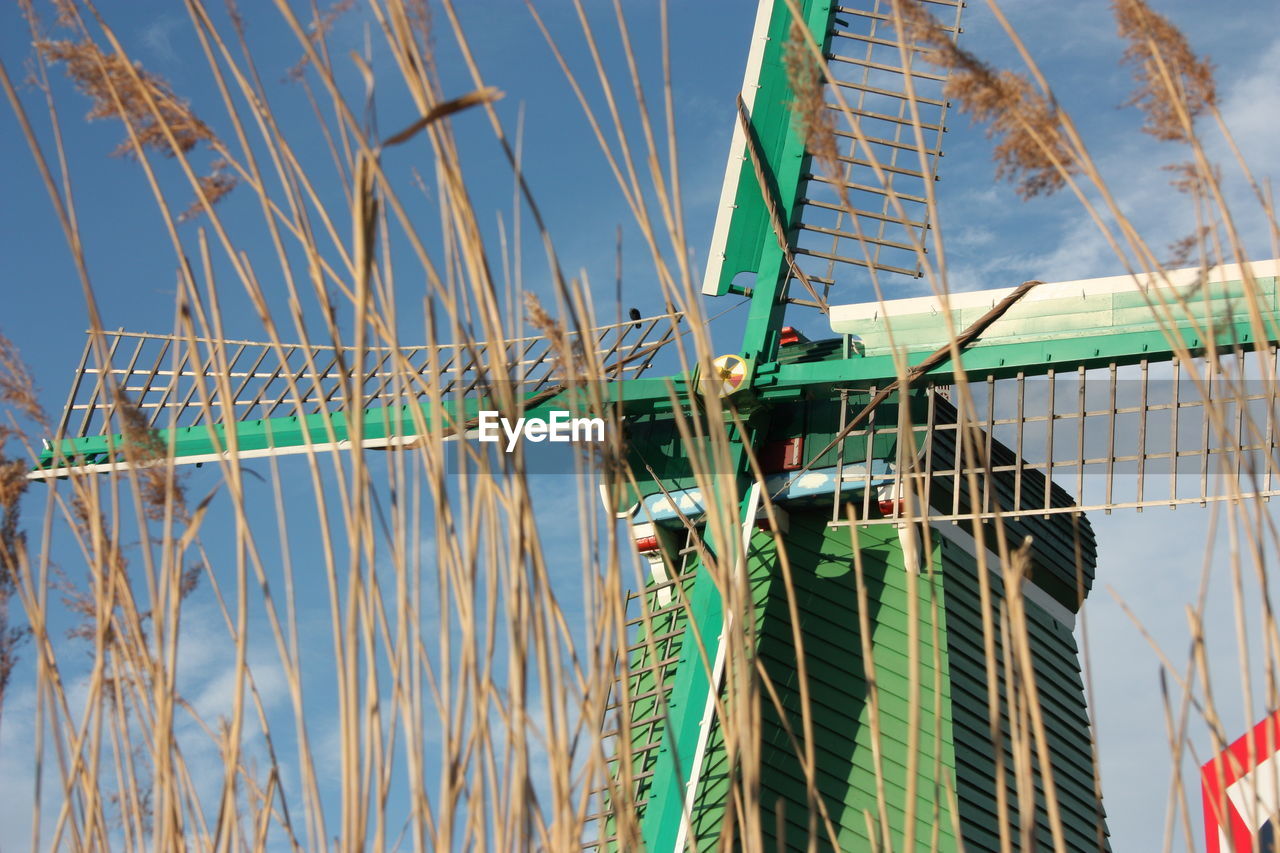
(196, 387)
(1065, 325)
(1129, 391)
(637, 714)
(864, 203)
(1146, 435)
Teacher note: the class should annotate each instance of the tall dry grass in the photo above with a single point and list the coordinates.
(435, 681)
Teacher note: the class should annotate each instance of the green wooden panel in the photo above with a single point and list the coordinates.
(954, 750)
(750, 237)
(822, 568)
(1060, 694)
(1053, 334)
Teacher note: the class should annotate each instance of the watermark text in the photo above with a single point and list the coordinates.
(558, 426)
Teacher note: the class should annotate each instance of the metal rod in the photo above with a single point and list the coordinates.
(1080, 395)
(1269, 440)
(1017, 450)
(990, 439)
(1048, 468)
(857, 263)
(1111, 437)
(892, 69)
(1142, 431)
(1175, 409)
(871, 434)
(1204, 431)
(867, 141)
(866, 188)
(61, 431)
(848, 10)
(876, 241)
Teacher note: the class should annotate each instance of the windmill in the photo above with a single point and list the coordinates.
(887, 498)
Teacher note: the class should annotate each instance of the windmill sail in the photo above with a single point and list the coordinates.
(876, 619)
(197, 387)
(1127, 391)
(865, 210)
(1082, 395)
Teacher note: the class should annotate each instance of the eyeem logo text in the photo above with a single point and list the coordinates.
(558, 427)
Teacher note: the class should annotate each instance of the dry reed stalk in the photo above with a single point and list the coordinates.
(736, 713)
(809, 108)
(17, 394)
(1170, 96)
(675, 284)
(501, 680)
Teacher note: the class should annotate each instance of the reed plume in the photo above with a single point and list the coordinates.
(411, 659)
(808, 106)
(18, 396)
(108, 81)
(1031, 148)
(1174, 85)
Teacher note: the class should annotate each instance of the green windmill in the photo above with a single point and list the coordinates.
(884, 504)
(842, 441)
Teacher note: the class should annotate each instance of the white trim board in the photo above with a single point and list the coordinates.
(737, 153)
(843, 315)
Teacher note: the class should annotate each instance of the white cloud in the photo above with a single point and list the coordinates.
(158, 37)
(17, 766)
(1251, 110)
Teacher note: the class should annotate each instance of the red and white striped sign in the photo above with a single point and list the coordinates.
(1242, 792)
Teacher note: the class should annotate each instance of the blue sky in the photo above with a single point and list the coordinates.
(1153, 560)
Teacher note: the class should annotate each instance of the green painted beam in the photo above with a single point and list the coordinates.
(695, 676)
(743, 241)
(278, 434)
(1060, 326)
(1003, 360)
(1057, 332)
(742, 233)
(293, 433)
(774, 127)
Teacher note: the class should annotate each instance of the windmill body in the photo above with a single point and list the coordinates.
(896, 616)
(871, 538)
(919, 606)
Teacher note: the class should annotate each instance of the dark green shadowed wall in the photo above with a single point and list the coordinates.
(955, 765)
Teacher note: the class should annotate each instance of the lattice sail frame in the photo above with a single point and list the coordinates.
(158, 373)
(169, 379)
(883, 227)
(1169, 400)
(1111, 438)
(873, 214)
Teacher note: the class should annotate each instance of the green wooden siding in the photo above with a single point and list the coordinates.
(825, 584)
(955, 764)
(1060, 693)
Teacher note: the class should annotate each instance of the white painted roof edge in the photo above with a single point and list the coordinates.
(737, 155)
(1057, 290)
